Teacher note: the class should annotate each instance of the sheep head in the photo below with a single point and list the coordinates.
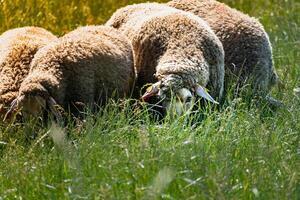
(33, 102)
(184, 97)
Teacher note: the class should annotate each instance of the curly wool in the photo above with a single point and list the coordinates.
(17, 49)
(248, 52)
(167, 47)
(86, 66)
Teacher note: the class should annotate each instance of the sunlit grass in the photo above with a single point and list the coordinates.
(239, 151)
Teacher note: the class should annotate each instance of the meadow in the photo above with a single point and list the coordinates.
(239, 151)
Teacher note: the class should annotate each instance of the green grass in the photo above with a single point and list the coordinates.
(241, 151)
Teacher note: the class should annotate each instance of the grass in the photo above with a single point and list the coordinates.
(240, 151)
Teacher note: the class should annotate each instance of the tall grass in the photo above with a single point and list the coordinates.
(240, 151)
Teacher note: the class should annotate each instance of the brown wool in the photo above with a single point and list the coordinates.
(84, 67)
(248, 52)
(17, 49)
(167, 47)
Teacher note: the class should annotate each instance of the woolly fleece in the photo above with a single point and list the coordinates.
(167, 47)
(248, 52)
(86, 66)
(17, 49)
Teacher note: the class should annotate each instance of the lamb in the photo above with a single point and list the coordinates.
(83, 68)
(248, 52)
(166, 43)
(17, 48)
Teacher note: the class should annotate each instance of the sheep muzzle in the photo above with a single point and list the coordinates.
(33, 105)
(182, 103)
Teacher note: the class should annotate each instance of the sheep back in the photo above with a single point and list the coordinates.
(166, 41)
(17, 49)
(248, 52)
(87, 65)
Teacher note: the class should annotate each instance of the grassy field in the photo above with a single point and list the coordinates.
(241, 151)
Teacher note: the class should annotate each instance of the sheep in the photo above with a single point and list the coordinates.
(248, 51)
(83, 68)
(17, 48)
(169, 53)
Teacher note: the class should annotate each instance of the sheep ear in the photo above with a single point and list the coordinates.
(151, 91)
(52, 106)
(14, 106)
(202, 92)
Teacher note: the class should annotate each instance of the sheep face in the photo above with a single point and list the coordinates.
(179, 102)
(184, 98)
(34, 105)
(183, 102)
(30, 106)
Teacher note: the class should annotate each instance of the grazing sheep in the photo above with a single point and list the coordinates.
(84, 67)
(17, 48)
(169, 52)
(248, 52)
